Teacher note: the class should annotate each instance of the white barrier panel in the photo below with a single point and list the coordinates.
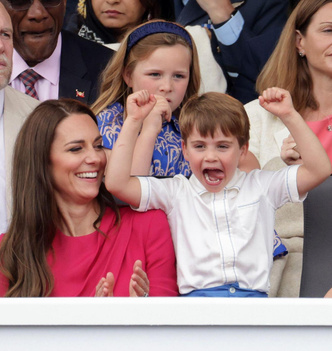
(165, 324)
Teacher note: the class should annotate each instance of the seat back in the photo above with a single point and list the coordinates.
(316, 277)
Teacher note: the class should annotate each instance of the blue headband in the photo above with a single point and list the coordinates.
(156, 27)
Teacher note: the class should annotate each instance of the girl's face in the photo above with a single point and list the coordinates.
(165, 72)
(119, 15)
(77, 160)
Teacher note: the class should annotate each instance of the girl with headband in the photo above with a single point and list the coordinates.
(160, 57)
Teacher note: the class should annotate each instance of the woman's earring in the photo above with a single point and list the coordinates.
(301, 54)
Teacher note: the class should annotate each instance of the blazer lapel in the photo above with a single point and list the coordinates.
(12, 125)
(73, 70)
(17, 107)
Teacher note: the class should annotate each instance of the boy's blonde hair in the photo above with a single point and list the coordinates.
(114, 88)
(211, 111)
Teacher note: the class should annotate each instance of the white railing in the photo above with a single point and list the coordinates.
(165, 324)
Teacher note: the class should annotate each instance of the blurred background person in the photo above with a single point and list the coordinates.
(300, 64)
(14, 108)
(49, 63)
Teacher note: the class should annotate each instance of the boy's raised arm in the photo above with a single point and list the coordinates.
(316, 164)
(117, 178)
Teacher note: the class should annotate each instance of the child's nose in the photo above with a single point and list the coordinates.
(166, 84)
(210, 155)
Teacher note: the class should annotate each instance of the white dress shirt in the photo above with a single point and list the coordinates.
(226, 237)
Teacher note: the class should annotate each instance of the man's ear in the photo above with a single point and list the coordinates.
(127, 77)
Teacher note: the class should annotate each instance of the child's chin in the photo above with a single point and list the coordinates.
(213, 188)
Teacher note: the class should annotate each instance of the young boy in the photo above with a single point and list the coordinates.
(221, 219)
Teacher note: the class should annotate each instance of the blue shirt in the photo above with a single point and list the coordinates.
(167, 159)
(228, 33)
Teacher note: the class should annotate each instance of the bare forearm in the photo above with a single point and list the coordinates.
(118, 180)
(143, 154)
(118, 169)
(316, 163)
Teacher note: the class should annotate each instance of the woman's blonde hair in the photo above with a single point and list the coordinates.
(286, 68)
(113, 87)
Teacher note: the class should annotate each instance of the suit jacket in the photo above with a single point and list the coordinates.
(253, 60)
(259, 16)
(17, 106)
(81, 63)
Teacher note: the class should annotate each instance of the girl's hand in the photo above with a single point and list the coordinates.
(277, 101)
(105, 286)
(289, 152)
(139, 105)
(139, 283)
(160, 112)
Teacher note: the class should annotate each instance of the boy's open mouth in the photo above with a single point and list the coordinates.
(213, 176)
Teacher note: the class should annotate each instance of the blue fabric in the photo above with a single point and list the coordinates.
(279, 249)
(229, 33)
(156, 27)
(167, 159)
(259, 16)
(229, 290)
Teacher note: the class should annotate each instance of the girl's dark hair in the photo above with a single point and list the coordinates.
(36, 215)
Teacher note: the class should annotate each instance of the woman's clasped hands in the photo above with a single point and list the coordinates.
(139, 285)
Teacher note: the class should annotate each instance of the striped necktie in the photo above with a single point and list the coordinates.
(29, 77)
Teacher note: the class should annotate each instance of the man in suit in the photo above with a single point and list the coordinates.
(233, 23)
(14, 108)
(68, 66)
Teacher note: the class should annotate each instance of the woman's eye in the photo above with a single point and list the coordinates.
(75, 149)
(179, 76)
(100, 146)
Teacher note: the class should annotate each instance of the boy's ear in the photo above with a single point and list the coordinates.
(244, 150)
(127, 77)
(184, 150)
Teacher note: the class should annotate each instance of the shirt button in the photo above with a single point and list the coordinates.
(232, 290)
